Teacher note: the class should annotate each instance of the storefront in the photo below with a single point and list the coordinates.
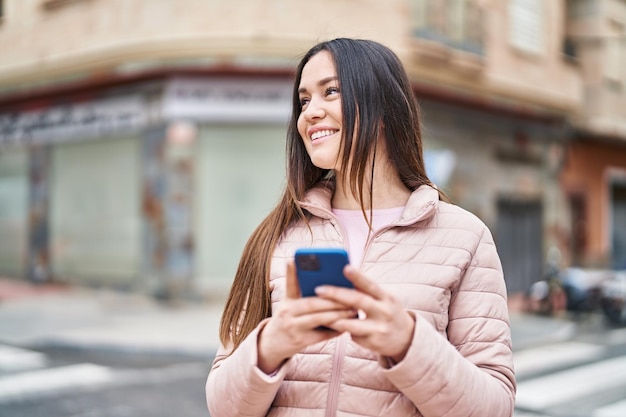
(239, 127)
(155, 190)
(13, 211)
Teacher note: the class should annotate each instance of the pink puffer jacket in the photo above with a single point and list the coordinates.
(441, 262)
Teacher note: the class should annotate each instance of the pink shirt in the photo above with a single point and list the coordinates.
(357, 231)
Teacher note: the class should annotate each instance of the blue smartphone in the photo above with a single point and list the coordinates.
(321, 266)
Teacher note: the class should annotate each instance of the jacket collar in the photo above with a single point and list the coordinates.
(421, 205)
(317, 200)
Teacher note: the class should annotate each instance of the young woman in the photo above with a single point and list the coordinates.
(432, 336)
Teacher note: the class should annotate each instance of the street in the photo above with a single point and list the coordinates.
(78, 383)
(582, 376)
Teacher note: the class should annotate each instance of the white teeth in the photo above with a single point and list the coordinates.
(321, 133)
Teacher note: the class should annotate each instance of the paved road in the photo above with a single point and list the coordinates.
(581, 376)
(66, 383)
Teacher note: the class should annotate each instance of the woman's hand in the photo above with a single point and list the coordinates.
(386, 326)
(295, 324)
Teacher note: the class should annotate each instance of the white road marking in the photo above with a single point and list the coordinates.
(554, 356)
(617, 409)
(13, 387)
(540, 393)
(13, 359)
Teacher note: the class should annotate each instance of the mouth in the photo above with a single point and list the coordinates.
(322, 134)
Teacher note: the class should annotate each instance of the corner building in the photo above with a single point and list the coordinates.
(141, 142)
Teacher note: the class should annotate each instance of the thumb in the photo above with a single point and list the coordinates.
(293, 288)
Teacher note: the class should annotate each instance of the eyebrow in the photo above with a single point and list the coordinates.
(320, 83)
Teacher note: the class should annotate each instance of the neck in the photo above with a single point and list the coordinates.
(388, 192)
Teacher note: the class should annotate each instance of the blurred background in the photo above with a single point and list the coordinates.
(141, 141)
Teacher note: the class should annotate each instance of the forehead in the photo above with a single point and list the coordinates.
(320, 66)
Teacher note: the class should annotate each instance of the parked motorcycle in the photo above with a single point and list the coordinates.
(583, 288)
(613, 298)
(576, 290)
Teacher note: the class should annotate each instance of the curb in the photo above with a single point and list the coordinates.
(116, 349)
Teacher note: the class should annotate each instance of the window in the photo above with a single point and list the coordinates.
(615, 57)
(55, 4)
(457, 19)
(577, 9)
(456, 23)
(526, 25)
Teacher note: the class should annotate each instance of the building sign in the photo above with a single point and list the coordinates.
(228, 100)
(84, 120)
(264, 100)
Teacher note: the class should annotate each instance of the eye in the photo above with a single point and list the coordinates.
(332, 90)
(304, 101)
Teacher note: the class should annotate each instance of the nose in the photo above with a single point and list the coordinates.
(314, 109)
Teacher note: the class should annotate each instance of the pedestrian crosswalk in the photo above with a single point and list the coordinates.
(560, 387)
(17, 359)
(612, 410)
(28, 375)
(573, 378)
(52, 380)
(585, 377)
(25, 374)
(555, 356)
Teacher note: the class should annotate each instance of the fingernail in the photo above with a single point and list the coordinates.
(321, 290)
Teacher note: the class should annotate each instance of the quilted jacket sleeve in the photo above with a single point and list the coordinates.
(236, 386)
(471, 372)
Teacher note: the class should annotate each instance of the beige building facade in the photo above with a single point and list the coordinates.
(594, 175)
(141, 141)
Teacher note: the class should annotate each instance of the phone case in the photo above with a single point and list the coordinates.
(321, 266)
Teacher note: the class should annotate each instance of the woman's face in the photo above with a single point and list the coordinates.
(319, 123)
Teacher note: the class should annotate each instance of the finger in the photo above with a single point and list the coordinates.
(356, 327)
(311, 305)
(351, 298)
(362, 283)
(293, 288)
(328, 319)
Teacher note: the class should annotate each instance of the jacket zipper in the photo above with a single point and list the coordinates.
(340, 347)
(333, 388)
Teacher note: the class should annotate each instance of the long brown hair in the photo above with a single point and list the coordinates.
(376, 91)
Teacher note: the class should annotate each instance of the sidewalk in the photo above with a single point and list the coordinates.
(83, 318)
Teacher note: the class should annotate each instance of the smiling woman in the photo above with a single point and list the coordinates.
(432, 335)
(319, 123)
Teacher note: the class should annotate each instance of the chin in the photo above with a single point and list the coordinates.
(325, 161)
(324, 164)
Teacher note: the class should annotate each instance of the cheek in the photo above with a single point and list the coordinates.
(301, 126)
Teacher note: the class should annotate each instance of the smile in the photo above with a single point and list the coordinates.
(322, 133)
